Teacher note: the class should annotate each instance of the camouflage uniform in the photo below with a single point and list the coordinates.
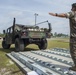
(72, 18)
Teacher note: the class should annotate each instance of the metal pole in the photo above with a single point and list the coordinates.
(35, 18)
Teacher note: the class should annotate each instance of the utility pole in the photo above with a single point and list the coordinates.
(35, 17)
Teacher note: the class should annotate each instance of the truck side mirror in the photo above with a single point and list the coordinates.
(49, 24)
(4, 31)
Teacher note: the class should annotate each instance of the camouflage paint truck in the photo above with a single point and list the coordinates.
(23, 35)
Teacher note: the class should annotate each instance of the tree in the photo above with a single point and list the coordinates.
(55, 34)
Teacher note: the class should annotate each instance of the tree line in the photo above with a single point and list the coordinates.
(59, 35)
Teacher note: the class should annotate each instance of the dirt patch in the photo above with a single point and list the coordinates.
(4, 71)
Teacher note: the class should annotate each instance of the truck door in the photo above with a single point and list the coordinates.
(9, 36)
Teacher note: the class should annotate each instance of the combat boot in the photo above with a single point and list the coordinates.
(73, 68)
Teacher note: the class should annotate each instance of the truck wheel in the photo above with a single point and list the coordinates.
(43, 45)
(19, 45)
(5, 45)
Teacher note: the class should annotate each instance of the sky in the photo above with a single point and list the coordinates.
(24, 10)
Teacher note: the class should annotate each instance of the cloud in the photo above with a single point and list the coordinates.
(16, 13)
(24, 11)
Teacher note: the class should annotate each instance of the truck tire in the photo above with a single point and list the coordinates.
(5, 45)
(43, 45)
(19, 45)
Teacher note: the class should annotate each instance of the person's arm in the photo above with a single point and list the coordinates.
(58, 15)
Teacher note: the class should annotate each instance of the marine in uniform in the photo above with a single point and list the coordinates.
(72, 20)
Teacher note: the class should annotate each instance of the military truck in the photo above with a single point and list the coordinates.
(23, 35)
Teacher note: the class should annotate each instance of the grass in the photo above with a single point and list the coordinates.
(56, 43)
(7, 67)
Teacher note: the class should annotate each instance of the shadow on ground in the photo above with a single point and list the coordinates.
(13, 49)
